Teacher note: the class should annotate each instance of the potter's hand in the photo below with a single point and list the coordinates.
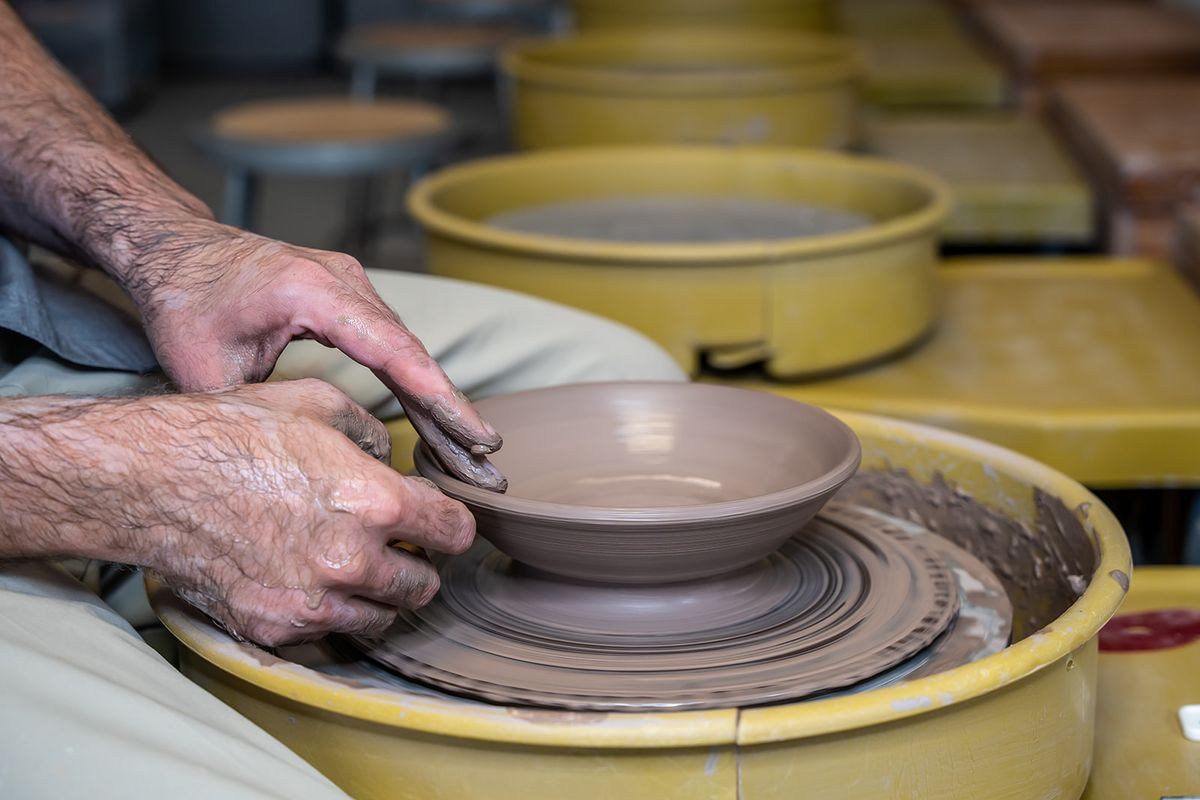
(220, 304)
(258, 504)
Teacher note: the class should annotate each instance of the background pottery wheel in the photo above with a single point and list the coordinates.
(806, 305)
(846, 600)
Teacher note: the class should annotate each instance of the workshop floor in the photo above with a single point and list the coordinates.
(306, 211)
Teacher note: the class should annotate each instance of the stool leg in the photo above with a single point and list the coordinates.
(238, 206)
(361, 209)
(364, 80)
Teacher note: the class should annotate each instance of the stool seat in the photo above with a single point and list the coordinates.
(430, 50)
(487, 9)
(325, 135)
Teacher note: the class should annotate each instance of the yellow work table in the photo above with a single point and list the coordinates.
(917, 55)
(1140, 749)
(1090, 365)
(1012, 183)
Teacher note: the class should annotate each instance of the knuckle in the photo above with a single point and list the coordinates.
(345, 263)
(356, 572)
(329, 394)
(385, 508)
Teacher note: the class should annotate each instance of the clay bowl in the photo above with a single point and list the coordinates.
(652, 482)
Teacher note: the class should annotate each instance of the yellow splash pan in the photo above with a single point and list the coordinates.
(682, 87)
(1086, 364)
(1140, 750)
(805, 305)
(1015, 724)
(726, 15)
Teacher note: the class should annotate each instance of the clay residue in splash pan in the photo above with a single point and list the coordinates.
(1044, 568)
(678, 220)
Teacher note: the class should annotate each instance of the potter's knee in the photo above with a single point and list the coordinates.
(616, 352)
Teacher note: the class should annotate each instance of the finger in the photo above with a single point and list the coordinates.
(364, 430)
(358, 615)
(364, 328)
(400, 579)
(413, 510)
(329, 404)
(461, 463)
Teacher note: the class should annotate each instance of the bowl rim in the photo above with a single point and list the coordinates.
(756, 505)
(425, 206)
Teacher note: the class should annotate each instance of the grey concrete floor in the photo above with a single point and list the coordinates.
(304, 210)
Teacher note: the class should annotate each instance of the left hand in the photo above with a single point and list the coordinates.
(220, 304)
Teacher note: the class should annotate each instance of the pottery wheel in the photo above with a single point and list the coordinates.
(842, 601)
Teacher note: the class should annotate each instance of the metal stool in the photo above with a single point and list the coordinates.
(331, 136)
(533, 12)
(421, 51)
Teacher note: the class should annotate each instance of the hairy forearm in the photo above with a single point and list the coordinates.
(63, 472)
(71, 178)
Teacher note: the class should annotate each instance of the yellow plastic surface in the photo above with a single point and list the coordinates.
(1140, 751)
(800, 303)
(1012, 183)
(690, 87)
(1017, 724)
(726, 15)
(924, 18)
(906, 71)
(1086, 364)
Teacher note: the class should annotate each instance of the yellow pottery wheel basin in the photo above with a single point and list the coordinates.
(1015, 724)
(689, 87)
(804, 305)
(720, 14)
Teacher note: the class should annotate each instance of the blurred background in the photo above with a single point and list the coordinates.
(164, 68)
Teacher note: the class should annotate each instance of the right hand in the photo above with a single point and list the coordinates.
(260, 505)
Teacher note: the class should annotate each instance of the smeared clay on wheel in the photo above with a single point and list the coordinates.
(844, 600)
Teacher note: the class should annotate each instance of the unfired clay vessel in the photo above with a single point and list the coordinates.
(652, 482)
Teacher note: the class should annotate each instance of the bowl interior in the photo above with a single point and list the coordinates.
(659, 445)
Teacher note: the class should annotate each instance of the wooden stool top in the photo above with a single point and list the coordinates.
(1052, 38)
(424, 36)
(1137, 136)
(329, 119)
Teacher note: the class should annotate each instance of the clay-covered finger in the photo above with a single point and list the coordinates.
(358, 615)
(360, 427)
(472, 468)
(402, 580)
(368, 331)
